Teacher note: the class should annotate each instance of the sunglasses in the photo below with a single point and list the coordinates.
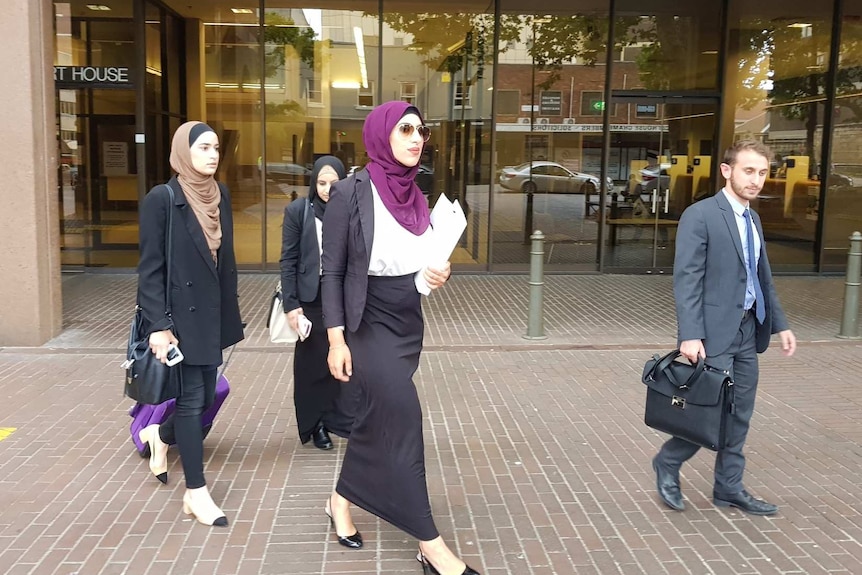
(406, 129)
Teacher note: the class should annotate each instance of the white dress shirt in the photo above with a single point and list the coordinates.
(739, 210)
(395, 251)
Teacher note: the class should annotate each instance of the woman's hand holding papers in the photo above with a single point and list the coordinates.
(436, 277)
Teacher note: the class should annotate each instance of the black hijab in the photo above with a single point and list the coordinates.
(317, 204)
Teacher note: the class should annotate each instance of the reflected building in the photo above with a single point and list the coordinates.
(595, 122)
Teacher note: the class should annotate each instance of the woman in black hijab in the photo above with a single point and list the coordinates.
(322, 404)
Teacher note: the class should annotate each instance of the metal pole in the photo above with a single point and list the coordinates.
(850, 317)
(535, 323)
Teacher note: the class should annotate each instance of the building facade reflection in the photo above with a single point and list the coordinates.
(598, 128)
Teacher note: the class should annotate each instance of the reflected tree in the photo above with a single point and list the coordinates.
(280, 32)
(450, 42)
(786, 66)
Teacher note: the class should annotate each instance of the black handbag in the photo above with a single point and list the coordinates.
(148, 380)
(688, 401)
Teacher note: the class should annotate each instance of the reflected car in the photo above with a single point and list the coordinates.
(550, 178)
(288, 173)
(650, 178)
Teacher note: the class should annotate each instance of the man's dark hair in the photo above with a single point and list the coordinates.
(755, 146)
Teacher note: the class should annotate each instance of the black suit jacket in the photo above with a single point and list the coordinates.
(709, 278)
(204, 298)
(348, 232)
(300, 255)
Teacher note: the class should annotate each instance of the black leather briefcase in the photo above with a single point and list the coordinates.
(688, 401)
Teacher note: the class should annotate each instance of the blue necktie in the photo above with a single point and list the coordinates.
(759, 308)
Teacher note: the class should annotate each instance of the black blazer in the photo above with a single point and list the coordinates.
(348, 232)
(710, 276)
(300, 255)
(204, 298)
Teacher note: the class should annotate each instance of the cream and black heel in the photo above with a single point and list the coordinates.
(158, 451)
(199, 503)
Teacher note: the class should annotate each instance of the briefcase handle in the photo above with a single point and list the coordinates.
(663, 363)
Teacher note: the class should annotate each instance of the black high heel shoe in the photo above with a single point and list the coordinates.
(429, 569)
(352, 541)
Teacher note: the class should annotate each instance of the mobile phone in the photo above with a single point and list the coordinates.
(174, 356)
(304, 325)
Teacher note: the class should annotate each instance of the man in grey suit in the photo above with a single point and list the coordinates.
(726, 309)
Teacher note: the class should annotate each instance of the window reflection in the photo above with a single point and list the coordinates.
(320, 83)
(843, 204)
(776, 76)
(550, 106)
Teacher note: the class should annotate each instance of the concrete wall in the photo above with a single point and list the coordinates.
(30, 294)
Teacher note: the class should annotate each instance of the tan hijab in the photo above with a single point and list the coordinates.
(202, 192)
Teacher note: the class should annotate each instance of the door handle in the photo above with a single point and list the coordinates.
(654, 199)
(666, 201)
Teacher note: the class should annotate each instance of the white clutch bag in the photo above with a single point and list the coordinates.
(279, 328)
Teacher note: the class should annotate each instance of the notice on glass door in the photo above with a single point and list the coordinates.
(115, 159)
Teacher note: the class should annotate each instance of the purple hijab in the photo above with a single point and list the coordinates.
(394, 181)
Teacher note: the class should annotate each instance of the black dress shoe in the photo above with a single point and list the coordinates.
(352, 541)
(321, 437)
(668, 487)
(427, 568)
(744, 501)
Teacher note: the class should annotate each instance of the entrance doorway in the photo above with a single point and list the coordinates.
(667, 166)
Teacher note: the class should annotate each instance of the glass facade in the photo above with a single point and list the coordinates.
(593, 124)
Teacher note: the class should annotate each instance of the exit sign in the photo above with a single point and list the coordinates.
(598, 106)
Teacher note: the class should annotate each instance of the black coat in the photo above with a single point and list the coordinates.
(204, 298)
(300, 255)
(348, 232)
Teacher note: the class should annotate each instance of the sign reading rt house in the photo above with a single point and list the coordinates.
(92, 76)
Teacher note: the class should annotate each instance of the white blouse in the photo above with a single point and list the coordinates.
(318, 225)
(394, 250)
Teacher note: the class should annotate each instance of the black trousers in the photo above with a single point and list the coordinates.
(741, 360)
(183, 426)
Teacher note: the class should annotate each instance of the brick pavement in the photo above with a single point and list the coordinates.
(538, 460)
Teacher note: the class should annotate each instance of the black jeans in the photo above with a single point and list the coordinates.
(184, 428)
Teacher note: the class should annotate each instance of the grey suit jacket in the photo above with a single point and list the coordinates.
(348, 232)
(300, 255)
(709, 278)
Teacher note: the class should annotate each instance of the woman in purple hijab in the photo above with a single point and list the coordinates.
(376, 234)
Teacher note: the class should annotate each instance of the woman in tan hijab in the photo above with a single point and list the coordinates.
(199, 311)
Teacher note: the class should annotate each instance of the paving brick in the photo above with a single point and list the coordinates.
(537, 457)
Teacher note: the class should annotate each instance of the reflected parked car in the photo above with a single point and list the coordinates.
(650, 178)
(549, 177)
(284, 171)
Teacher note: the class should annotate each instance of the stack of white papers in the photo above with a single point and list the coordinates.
(448, 222)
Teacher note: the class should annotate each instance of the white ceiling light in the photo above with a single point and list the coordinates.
(345, 85)
(98, 7)
(242, 10)
(360, 53)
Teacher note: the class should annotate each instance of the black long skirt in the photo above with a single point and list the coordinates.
(384, 465)
(317, 396)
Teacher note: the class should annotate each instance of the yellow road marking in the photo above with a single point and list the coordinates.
(6, 432)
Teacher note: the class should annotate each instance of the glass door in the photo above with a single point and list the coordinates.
(665, 165)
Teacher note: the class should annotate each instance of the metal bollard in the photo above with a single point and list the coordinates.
(850, 317)
(535, 323)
